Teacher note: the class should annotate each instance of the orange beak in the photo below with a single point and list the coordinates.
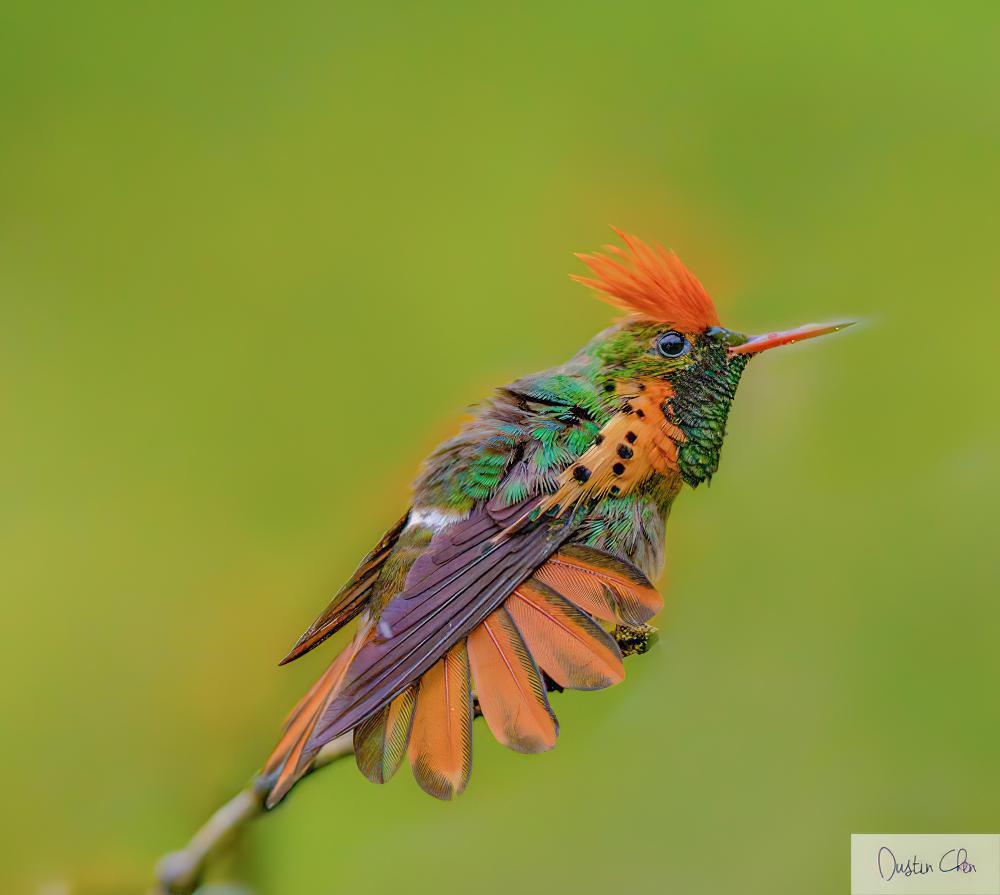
(756, 344)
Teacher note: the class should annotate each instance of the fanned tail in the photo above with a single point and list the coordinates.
(550, 623)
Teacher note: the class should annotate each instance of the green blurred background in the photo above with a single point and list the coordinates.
(255, 260)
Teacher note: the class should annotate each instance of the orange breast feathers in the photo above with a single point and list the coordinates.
(634, 444)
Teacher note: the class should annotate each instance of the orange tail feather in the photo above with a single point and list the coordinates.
(289, 760)
(571, 647)
(602, 586)
(440, 747)
(509, 686)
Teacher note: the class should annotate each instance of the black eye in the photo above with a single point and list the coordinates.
(672, 344)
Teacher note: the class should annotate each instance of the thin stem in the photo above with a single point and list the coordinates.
(179, 872)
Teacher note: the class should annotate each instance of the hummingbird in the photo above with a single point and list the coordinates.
(532, 535)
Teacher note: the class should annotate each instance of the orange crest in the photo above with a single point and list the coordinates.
(650, 283)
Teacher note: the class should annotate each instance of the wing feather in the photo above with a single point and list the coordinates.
(453, 587)
(351, 598)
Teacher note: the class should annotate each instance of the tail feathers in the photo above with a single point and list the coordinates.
(549, 623)
(510, 687)
(441, 740)
(290, 759)
(380, 741)
(601, 585)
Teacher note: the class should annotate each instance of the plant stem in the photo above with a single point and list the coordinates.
(179, 872)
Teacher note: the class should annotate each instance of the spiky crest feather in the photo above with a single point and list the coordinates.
(650, 282)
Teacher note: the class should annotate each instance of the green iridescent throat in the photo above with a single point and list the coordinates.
(700, 407)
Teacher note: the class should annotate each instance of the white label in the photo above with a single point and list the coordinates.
(925, 864)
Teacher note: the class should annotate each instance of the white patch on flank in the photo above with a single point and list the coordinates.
(424, 517)
(432, 518)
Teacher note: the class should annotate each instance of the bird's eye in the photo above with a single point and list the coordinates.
(672, 344)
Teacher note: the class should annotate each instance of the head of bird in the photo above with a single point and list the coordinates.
(673, 338)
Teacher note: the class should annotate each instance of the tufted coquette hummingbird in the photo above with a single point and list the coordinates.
(531, 535)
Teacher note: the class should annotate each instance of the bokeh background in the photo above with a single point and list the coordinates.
(254, 262)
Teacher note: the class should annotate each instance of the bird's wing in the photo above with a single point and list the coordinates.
(351, 598)
(465, 574)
